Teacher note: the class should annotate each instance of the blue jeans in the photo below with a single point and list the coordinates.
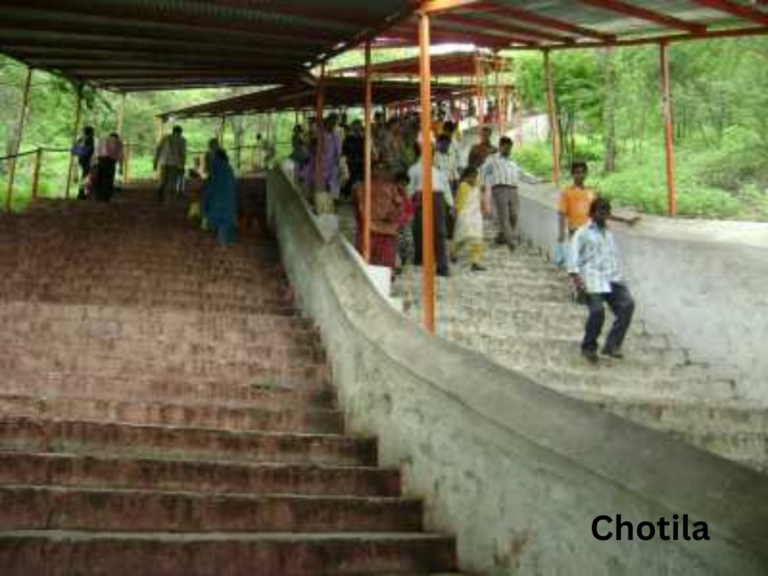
(622, 305)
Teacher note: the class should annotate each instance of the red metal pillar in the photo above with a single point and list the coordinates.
(428, 240)
(479, 92)
(501, 100)
(519, 119)
(17, 141)
(319, 129)
(121, 115)
(36, 172)
(366, 231)
(668, 134)
(553, 125)
(78, 117)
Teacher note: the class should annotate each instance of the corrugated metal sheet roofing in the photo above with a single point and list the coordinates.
(567, 23)
(338, 93)
(150, 44)
(453, 65)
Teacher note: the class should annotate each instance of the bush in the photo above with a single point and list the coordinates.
(535, 159)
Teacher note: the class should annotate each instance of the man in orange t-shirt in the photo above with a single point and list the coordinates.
(575, 201)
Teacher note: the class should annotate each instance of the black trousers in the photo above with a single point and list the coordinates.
(105, 179)
(439, 226)
(622, 305)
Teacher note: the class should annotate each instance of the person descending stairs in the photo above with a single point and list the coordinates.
(165, 411)
(520, 313)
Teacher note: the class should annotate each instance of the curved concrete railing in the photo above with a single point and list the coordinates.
(702, 281)
(518, 472)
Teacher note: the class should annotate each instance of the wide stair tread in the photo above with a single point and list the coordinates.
(226, 553)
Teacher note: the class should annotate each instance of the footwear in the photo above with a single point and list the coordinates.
(444, 273)
(615, 354)
(590, 355)
(478, 268)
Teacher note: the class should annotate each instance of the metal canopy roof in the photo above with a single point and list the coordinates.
(133, 45)
(338, 93)
(453, 65)
(558, 24)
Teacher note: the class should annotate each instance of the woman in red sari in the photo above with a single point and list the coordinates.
(387, 202)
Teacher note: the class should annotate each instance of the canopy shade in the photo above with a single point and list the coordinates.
(535, 24)
(339, 93)
(454, 65)
(133, 45)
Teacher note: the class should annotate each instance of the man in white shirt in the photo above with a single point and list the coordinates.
(442, 199)
(170, 158)
(501, 177)
(594, 267)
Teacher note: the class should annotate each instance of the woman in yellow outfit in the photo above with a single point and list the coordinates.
(468, 234)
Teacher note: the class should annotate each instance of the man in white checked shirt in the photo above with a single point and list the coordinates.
(501, 177)
(594, 266)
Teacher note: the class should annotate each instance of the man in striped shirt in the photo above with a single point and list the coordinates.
(594, 267)
(501, 177)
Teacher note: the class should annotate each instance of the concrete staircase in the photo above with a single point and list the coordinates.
(164, 411)
(520, 313)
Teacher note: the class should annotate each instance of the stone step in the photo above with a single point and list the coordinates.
(526, 351)
(202, 476)
(610, 380)
(86, 353)
(742, 447)
(190, 415)
(63, 508)
(565, 311)
(93, 438)
(223, 554)
(705, 416)
(157, 368)
(277, 393)
(526, 326)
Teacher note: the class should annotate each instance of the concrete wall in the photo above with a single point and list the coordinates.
(704, 282)
(515, 470)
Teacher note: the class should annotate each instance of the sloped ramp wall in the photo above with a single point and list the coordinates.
(516, 471)
(703, 281)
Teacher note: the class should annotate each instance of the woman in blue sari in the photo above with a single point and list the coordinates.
(220, 199)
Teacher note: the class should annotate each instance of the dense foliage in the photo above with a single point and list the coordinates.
(608, 105)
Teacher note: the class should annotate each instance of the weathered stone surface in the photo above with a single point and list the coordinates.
(164, 410)
(518, 470)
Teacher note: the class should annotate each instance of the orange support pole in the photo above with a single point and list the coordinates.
(428, 233)
(479, 92)
(501, 100)
(668, 134)
(78, 116)
(366, 231)
(319, 129)
(17, 141)
(36, 172)
(126, 163)
(519, 119)
(553, 125)
(121, 115)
